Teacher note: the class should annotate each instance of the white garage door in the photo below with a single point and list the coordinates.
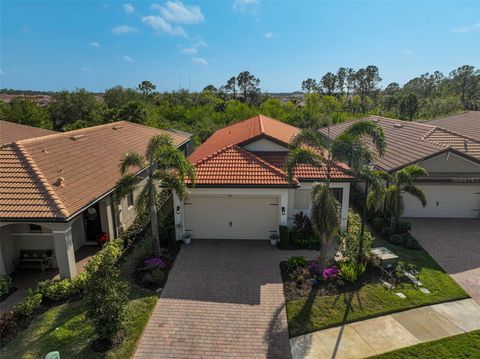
(452, 201)
(236, 217)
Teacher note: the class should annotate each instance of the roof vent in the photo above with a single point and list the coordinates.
(76, 137)
(375, 120)
(398, 125)
(117, 127)
(60, 182)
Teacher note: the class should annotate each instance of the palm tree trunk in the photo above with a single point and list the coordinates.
(154, 224)
(322, 258)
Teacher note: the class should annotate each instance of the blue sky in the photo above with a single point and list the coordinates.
(94, 44)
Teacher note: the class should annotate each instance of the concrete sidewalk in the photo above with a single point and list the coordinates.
(390, 332)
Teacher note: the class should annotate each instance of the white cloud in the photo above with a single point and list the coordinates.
(406, 52)
(128, 59)
(246, 6)
(200, 44)
(86, 69)
(177, 12)
(159, 24)
(190, 50)
(200, 61)
(123, 29)
(474, 27)
(270, 35)
(94, 44)
(129, 9)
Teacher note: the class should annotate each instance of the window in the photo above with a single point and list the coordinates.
(35, 228)
(130, 200)
(302, 198)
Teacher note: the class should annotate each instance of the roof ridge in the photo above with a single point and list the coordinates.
(42, 180)
(260, 120)
(213, 154)
(268, 164)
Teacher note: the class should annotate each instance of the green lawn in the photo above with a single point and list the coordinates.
(315, 313)
(457, 347)
(65, 329)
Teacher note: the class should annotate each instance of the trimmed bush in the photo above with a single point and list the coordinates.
(410, 242)
(404, 226)
(106, 293)
(8, 322)
(62, 289)
(154, 277)
(397, 239)
(5, 284)
(29, 304)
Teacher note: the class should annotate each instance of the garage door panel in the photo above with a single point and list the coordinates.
(447, 201)
(236, 217)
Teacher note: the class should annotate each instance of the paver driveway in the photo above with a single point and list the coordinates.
(455, 245)
(223, 299)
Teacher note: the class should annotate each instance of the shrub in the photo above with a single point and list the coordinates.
(8, 322)
(303, 224)
(154, 277)
(62, 289)
(29, 304)
(350, 272)
(284, 237)
(397, 239)
(106, 293)
(132, 233)
(295, 262)
(330, 273)
(5, 284)
(154, 262)
(378, 223)
(404, 226)
(410, 242)
(349, 240)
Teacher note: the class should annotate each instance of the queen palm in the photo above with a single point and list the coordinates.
(166, 166)
(309, 147)
(402, 182)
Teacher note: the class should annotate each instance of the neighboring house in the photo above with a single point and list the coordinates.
(56, 188)
(466, 124)
(242, 190)
(11, 131)
(451, 158)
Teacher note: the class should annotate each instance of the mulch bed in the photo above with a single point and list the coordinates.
(294, 291)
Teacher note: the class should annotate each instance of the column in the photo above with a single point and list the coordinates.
(106, 218)
(65, 253)
(178, 211)
(345, 206)
(283, 208)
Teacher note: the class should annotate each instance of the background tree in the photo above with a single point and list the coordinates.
(26, 112)
(341, 80)
(134, 111)
(408, 106)
(146, 87)
(231, 87)
(165, 165)
(248, 86)
(328, 82)
(117, 96)
(210, 88)
(466, 81)
(309, 85)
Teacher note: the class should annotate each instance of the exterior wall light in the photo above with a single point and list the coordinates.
(283, 211)
(178, 210)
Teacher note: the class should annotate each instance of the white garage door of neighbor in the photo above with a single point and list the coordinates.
(236, 217)
(451, 201)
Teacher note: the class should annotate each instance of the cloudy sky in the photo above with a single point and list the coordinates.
(93, 44)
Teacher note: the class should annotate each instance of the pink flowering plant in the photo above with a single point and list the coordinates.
(155, 262)
(331, 273)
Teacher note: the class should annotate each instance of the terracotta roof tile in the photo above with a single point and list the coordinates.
(447, 138)
(86, 159)
(243, 131)
(233, 165)
(466, 124)
(10, 131)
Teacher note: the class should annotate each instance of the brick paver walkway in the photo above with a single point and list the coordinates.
(223, 299)
(455, 244)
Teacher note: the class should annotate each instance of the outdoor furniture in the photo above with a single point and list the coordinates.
(34, 259)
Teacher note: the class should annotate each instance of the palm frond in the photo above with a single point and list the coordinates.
(369, 129)
(125, 185)
(351, 150)
(325, 211)
(155, 144)
(308, 138)
(172, 182)
(376, 182)
(418, 193)
(131, 159)
(302, 155)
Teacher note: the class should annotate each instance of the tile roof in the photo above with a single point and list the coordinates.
(222, 161)
(306, 172)
(234, 166)
(409, 142)
(243, 131)
(86, 159)
(467, 123)
(11, 131)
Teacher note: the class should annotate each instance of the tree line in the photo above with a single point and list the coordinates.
(336, 97)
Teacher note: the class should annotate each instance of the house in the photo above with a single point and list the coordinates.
(56, 188)
(242, 190)
(451, 157)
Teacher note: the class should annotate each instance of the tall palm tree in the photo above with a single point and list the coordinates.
(402, 182)
(309, 147)
(166, 166)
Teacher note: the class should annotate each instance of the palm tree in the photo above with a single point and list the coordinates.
(402, 182)
(165, 165)
(309, 147)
